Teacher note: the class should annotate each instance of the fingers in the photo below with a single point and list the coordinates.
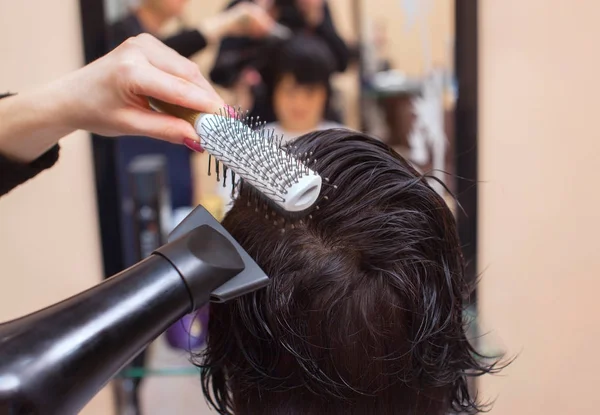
(251, 19)
(157, 125)
(147, 80)
(263, 23)
(264, 4)
(166, 59)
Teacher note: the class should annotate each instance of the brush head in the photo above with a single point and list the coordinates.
(255, 155)
(242, 145)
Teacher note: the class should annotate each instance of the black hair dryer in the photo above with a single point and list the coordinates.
(55, 360)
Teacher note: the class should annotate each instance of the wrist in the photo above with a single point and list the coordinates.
(215, 28)
(32, 123)
(55, 107)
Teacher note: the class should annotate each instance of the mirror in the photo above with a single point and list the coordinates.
(411, 81)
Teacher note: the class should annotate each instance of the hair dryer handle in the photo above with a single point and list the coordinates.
(55, 360)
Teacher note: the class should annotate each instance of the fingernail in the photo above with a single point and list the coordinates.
(232, 112)
(193, 145)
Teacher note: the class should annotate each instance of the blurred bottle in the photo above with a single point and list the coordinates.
(189, 333)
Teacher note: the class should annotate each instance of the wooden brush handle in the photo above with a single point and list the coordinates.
(186, 114)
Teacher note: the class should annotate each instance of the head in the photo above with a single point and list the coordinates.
(288, 13)
(364, 311)
(166, 9)
(298, 82)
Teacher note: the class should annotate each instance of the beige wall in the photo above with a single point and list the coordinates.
(49, 243)
(539, 202)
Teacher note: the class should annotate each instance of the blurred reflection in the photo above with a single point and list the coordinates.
(408, 88)
(300, 89)
(151, 16)
(242, 62)
(407, 101)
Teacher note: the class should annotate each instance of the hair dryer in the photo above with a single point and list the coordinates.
(55, 360)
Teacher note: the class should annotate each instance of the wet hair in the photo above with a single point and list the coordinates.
(364, 313)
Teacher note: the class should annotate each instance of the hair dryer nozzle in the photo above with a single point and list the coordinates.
(250, 279)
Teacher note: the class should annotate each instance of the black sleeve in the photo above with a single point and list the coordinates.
(186, 42)
(13, 173)
(235, 53)
(337, 45)
(122, 30)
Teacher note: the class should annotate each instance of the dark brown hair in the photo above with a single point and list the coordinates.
(364, 313)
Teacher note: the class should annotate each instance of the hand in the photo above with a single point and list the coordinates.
(250, 77)
(109, 96)
(243, 19)
(242, 89)
(312, 10)
(249, 19)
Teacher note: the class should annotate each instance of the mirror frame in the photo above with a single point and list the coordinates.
(466, 130)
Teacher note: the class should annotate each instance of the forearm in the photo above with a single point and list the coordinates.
(30, 124)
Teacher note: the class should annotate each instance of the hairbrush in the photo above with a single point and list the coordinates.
(242, 145)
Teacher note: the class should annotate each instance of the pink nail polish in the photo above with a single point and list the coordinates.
(193, 145)
(232, 112)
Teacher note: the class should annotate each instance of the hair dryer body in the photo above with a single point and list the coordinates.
(55, 360)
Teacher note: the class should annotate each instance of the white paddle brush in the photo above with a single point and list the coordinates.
(254, 155)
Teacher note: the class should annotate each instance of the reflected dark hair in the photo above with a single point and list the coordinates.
(289, 15)
(364, 313)
(305, 57)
